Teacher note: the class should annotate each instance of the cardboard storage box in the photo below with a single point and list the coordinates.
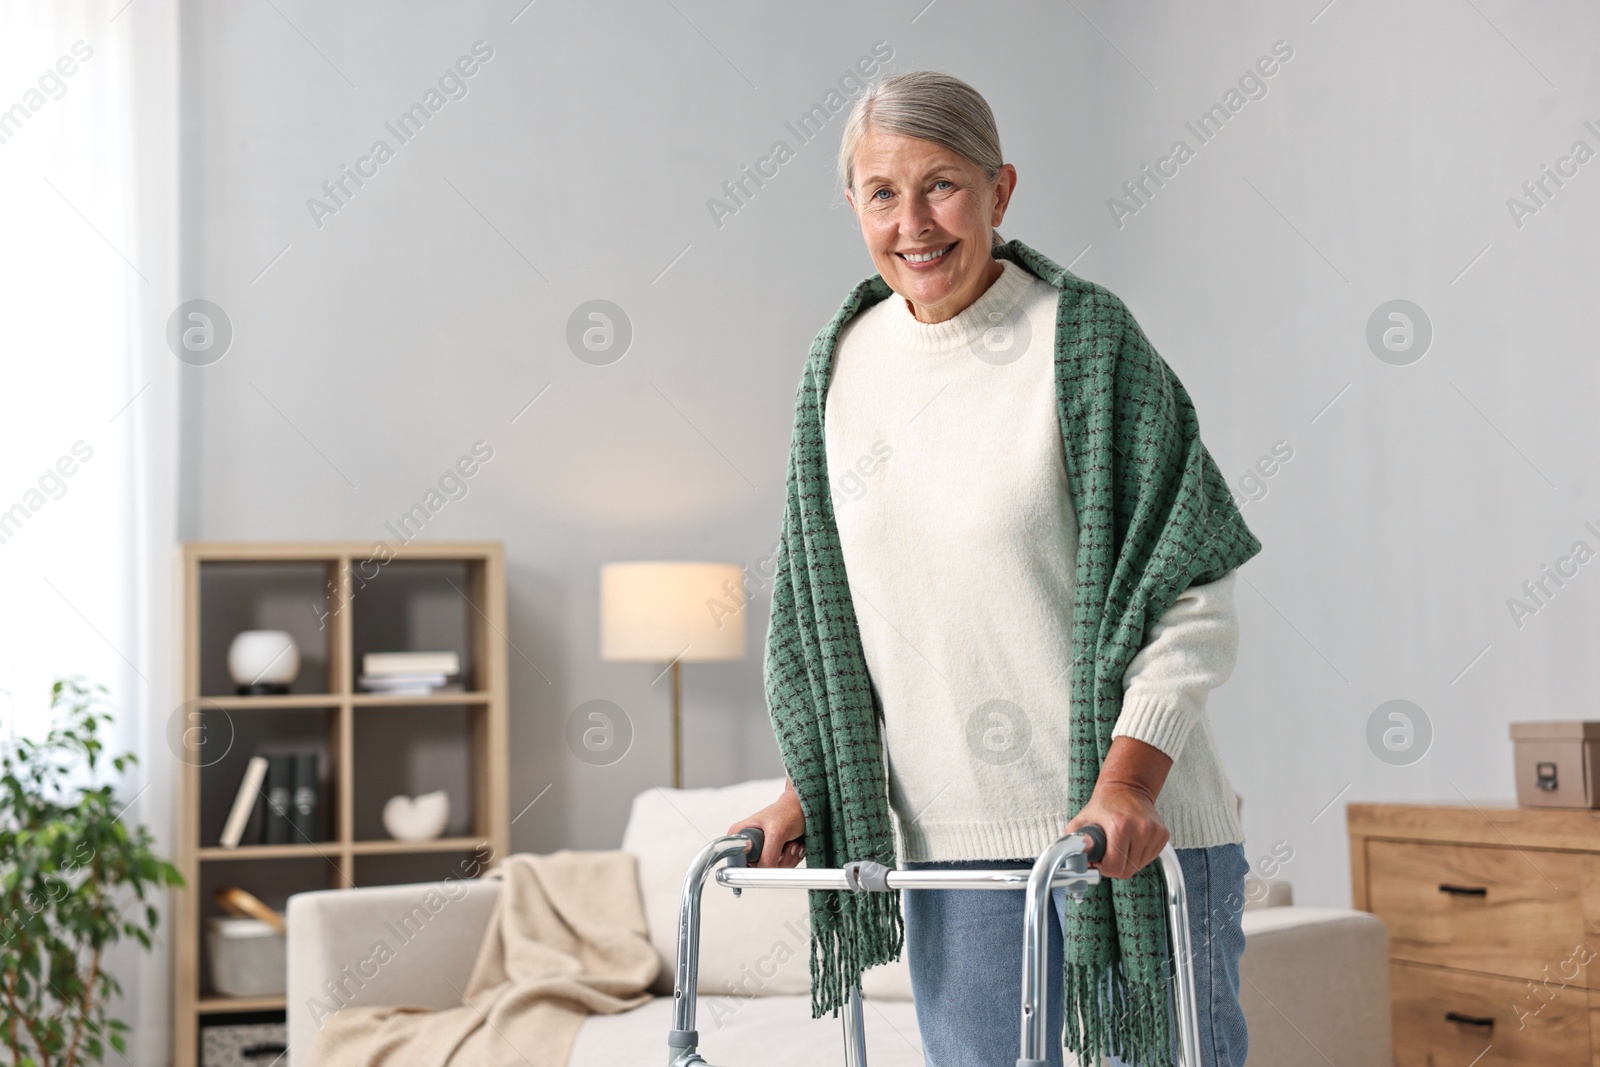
(1557, 764)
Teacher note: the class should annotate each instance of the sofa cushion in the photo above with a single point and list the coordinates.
(755, 944)
(1314, 985)
(1267, 892)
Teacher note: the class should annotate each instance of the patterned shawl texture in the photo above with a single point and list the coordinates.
(1155, 516)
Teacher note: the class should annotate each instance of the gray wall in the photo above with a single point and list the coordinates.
(426, 313)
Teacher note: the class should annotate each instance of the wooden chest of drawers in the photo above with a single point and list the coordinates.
(1493, 914)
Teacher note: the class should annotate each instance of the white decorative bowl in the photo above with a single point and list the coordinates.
(263, 661)
(421, 818)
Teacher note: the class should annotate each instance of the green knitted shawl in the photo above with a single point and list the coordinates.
(1154, 517)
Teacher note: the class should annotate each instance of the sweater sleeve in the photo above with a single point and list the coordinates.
(1190, 651)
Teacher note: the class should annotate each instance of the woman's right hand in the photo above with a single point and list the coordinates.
(784, 824)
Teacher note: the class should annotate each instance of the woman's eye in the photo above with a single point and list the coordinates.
(944, 181)
(875, 195)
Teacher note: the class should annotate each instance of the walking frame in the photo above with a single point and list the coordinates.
(1064, 864)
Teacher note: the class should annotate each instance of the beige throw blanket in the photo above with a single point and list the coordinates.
(567, 939)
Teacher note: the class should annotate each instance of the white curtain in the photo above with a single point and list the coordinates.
(89, 397)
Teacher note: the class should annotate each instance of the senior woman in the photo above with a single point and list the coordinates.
(1003, 591)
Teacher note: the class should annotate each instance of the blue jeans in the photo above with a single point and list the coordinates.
(964, 949)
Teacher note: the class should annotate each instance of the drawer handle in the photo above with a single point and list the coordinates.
(1470, 1020)
(1465, 890)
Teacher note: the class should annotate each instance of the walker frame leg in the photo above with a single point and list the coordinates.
(683, 1040)
(1037, 910)
(1183, 986)
(855, 1035)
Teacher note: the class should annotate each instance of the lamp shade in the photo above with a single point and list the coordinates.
(660, 612)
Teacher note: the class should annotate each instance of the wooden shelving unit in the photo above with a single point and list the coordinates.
(419, 596)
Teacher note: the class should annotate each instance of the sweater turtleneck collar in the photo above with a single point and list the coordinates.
(966, 327)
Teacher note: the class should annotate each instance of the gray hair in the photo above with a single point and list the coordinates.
(929, 105)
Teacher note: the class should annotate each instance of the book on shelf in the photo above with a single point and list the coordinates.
(378, 663)
(280, 796)
(279, 802)
(304, 816)
(410, 673)
(244, 802)
(410, 685)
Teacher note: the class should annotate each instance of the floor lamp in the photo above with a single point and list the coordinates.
(672, 613)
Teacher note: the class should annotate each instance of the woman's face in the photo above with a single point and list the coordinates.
(913, 197)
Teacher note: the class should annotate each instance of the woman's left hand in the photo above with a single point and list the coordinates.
(1124, 806)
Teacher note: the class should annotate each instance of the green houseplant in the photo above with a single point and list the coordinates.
(67, 866)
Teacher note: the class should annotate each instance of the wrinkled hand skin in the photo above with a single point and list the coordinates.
(784, 823)
(1124, 806)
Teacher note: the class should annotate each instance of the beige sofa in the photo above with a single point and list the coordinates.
(1315, 987)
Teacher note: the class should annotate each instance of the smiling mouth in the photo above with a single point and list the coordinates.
(926, 257)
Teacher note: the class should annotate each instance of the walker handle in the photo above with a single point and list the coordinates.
(758, 839)
(1097, 848)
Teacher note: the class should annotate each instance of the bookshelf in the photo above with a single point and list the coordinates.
(339, 600)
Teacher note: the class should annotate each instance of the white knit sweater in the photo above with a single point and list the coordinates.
(959, 537)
